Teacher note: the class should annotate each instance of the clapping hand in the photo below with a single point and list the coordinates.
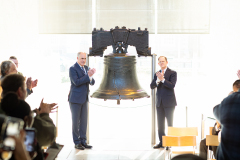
(238, 74)
(160, 75)
(91, 72)
(46, 108)
(31, 84)
(34, 83)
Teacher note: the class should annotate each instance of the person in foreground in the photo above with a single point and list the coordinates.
(187, 157)
(46, 130)
(80, 77)
(227, 114)
(216, 129)
(165, 81)
(15, 107)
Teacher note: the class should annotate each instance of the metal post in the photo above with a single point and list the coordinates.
(186, 117)
(57, 123)
(153, 94)
(202, 127)
(87, 134)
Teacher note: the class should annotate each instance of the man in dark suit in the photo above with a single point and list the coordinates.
(227, 114)
(165, 81)
(80, 77)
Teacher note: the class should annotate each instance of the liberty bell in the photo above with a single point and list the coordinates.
(119, 78)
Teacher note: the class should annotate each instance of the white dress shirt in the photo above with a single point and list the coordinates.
(85, 71)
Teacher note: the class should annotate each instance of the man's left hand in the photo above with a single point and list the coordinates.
(34, 83)
(91, 72)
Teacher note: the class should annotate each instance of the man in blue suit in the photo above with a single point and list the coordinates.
(80, 77)
(165, 81)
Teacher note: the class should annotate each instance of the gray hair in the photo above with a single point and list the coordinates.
(5, 67)
(80, 53)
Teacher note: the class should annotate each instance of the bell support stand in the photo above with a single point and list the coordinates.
(153, 94)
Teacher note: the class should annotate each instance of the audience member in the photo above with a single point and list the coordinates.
(236, 86)
(203, 147)
(216, 129)
(20, 152)
(46, 130)
(15, 61)
(17, 108)
(0, 91)
(227, 114)
(187, 157)
(30, 84)
(8, 67)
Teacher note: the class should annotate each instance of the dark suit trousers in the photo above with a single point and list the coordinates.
(203, 149)
(79, 122)
(162, 113)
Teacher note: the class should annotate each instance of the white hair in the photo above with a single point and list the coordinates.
(5, 67)
(80, 53)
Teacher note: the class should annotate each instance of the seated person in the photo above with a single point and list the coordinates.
(9, 67)
(0, 92)
(236, 86)
(20, 151)
(46, 130)
(15, 61)
(216, 129)
(17, 108)
(203, 146)
(31, 84)
(187, 157)
(227, 113)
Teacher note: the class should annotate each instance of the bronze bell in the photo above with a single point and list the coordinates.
(119, 79)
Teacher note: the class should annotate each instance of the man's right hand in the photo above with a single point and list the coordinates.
(91, 72)
(160, 76)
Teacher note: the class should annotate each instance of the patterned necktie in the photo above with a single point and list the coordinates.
(83, 70)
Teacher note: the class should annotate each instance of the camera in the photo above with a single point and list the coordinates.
(10, 126)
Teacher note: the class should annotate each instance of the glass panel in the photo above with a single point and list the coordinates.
(183, 16)
(131, 14)
(65, 16)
